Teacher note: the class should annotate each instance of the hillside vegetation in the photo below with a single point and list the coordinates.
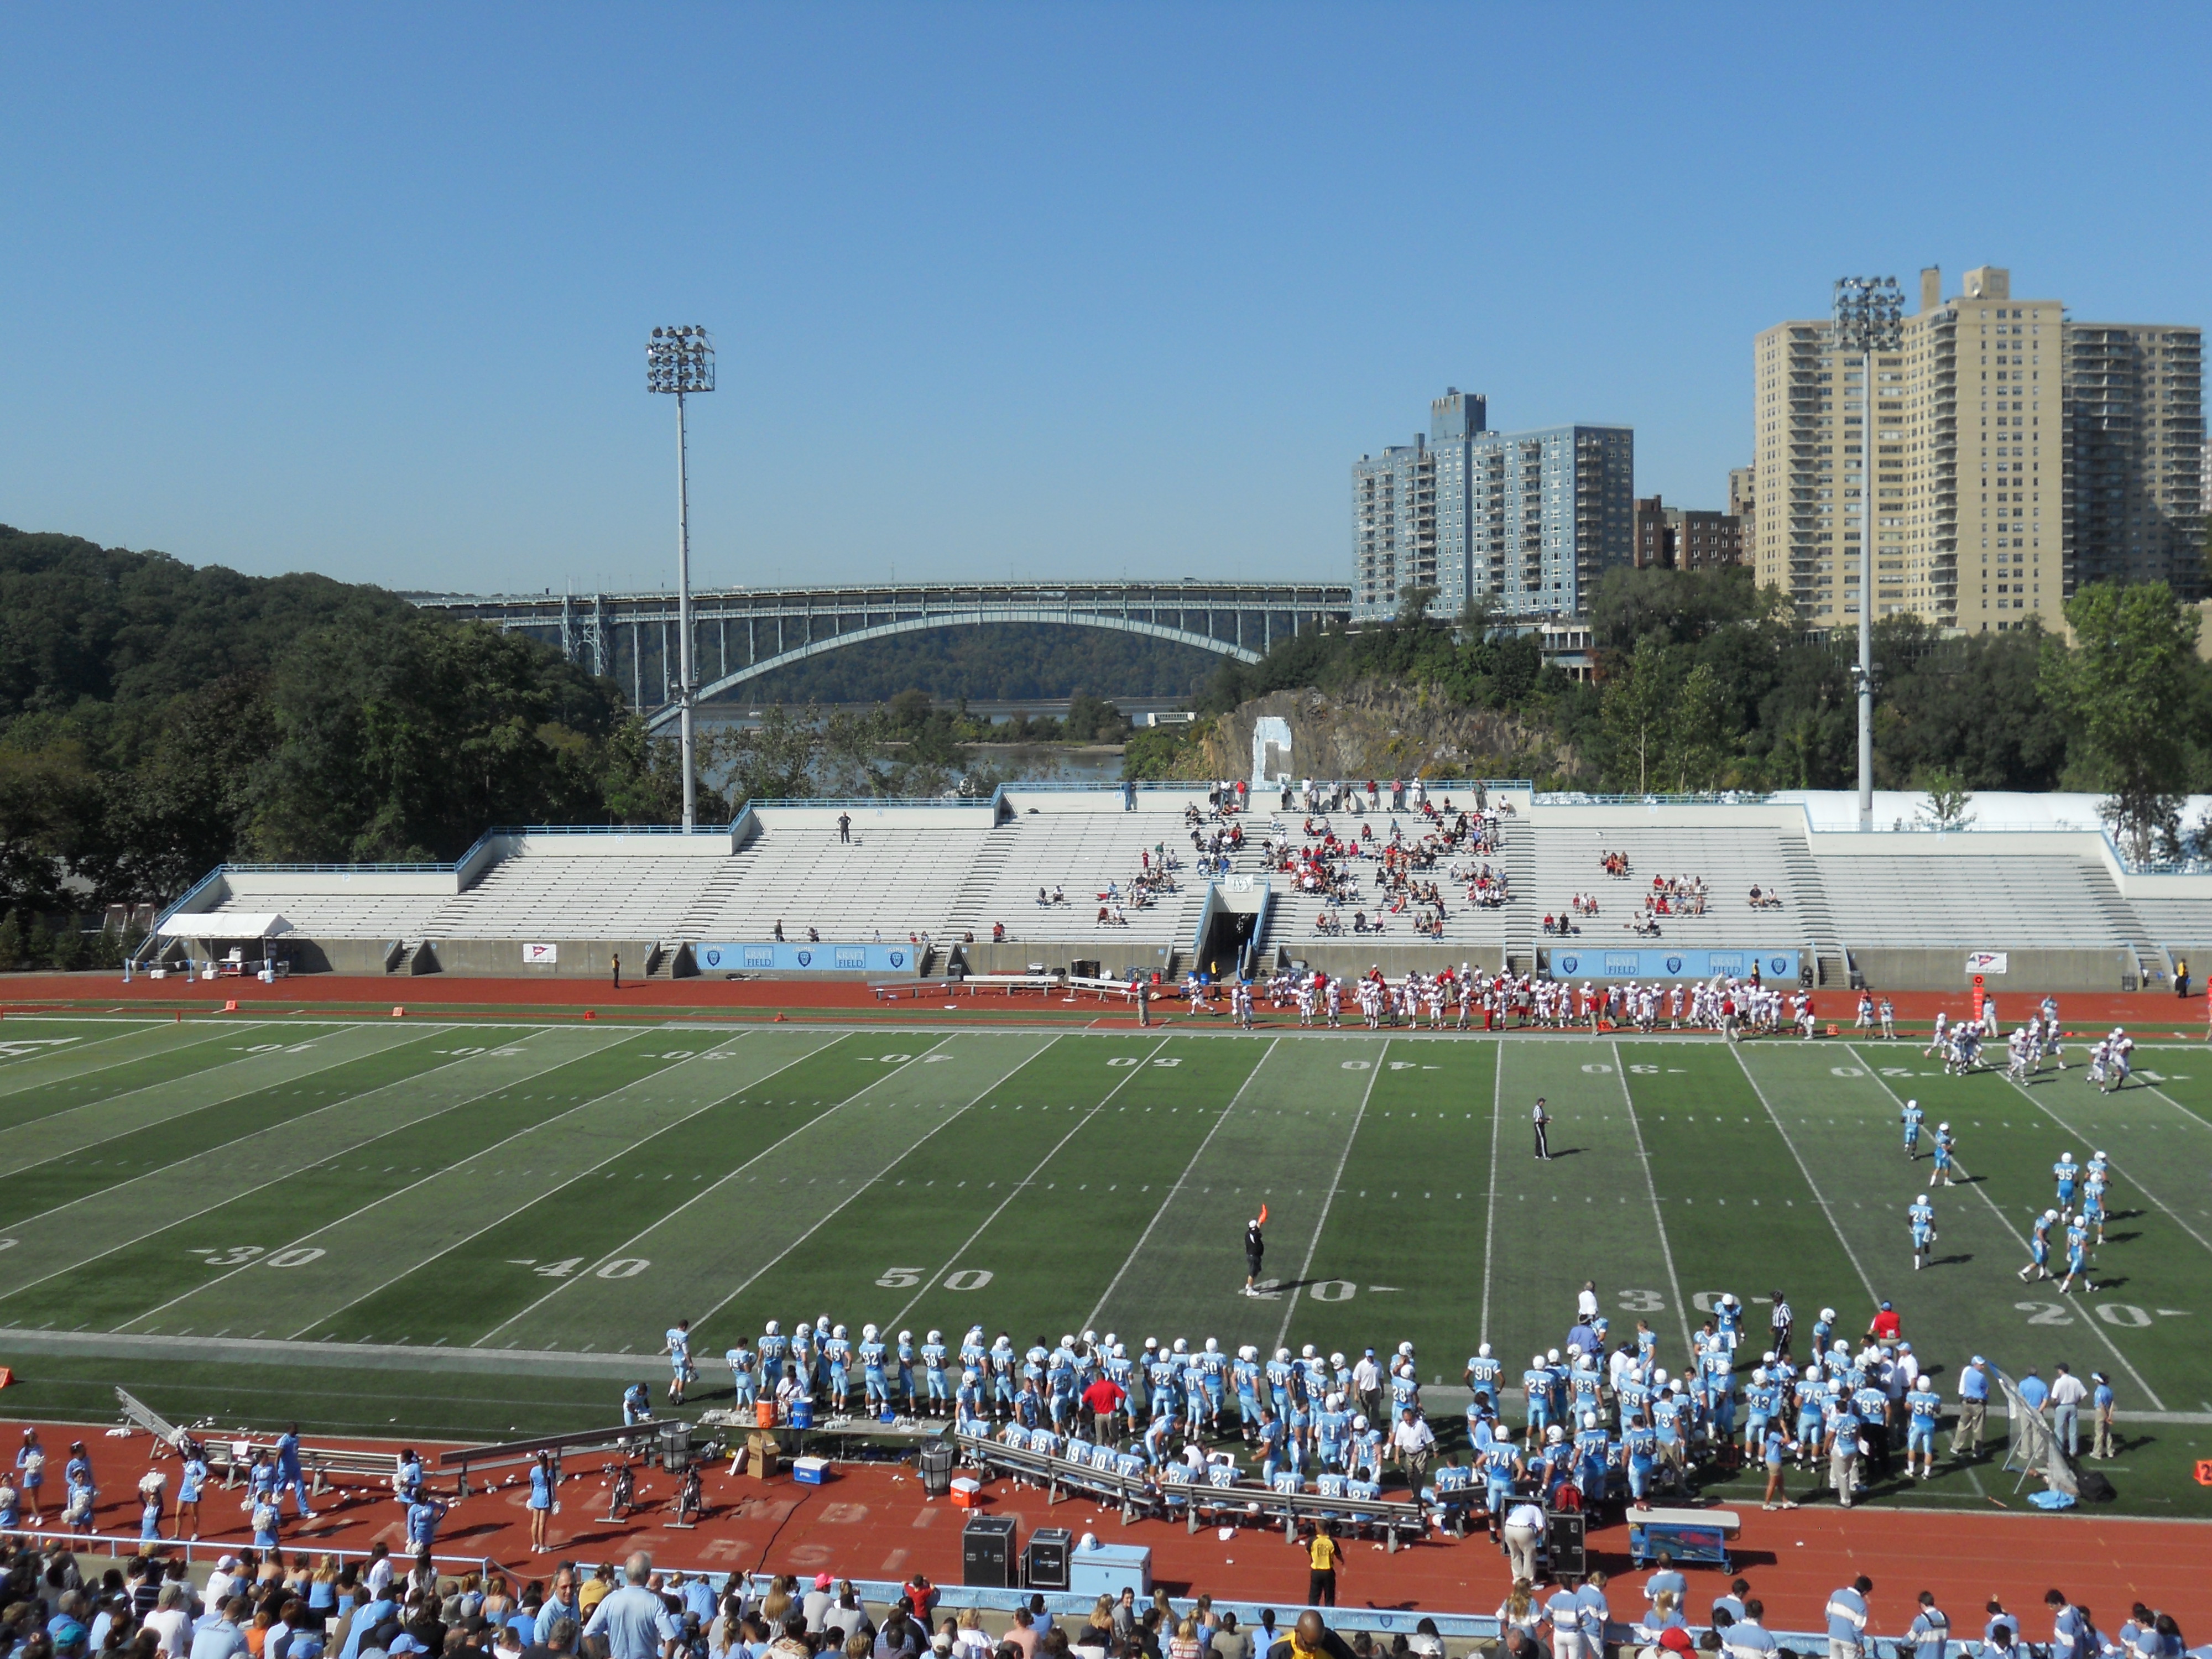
(157, 719)
(1705, 682)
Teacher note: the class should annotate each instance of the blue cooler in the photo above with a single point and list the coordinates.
(1103, 1570)
(810, 1471)
(802, 1413)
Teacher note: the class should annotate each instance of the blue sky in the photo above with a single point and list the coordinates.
(1036, 290)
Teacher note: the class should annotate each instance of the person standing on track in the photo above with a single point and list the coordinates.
(1324, 1560)
(1541, 1118)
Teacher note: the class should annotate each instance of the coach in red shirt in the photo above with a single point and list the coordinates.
(1105, 1397)
(1888, 1327)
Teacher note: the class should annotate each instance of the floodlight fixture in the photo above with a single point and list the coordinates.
(680, 360)
(1869, 317)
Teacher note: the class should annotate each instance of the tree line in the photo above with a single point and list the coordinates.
(1705, 682)
(158, 718)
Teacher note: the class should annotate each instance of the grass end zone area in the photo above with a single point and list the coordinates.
(473, 1228)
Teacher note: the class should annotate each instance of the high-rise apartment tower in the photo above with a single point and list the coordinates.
(1526, 522)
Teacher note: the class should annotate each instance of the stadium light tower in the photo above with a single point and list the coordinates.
(1869, 318)
(682, 360)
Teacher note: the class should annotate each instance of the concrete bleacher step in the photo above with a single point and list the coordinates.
(726, 879)
(1518, 853)
(1831, 965)
(972, 898)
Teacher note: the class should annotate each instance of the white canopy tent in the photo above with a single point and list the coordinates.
(225, 925)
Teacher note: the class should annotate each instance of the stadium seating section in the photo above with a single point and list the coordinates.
(1910, 905)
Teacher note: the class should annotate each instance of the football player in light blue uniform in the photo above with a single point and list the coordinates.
(1923, 1406)
(2066, 1173)
(1913, 1118)
(2038, 1247)
(1244, 1375)
(1921, 1218)
(1537, 1385)
(2078, 1256)
(837, 1352)
(1947, 1147)
(1484, 1375)
(678, 1347)
(743, 1377)
(906, 1369)
(875, 1381)
(933, 1381)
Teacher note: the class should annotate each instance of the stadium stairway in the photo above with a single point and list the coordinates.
(702, 911)
(971, 899)
(1523, 912)
(1831, 966)
(2121, 917)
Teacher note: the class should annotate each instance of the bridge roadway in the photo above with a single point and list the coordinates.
(741, 633)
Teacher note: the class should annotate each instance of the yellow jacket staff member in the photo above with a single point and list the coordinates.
(1324, 1559)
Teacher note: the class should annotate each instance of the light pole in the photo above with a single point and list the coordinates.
(1869, 318)
(682, 360)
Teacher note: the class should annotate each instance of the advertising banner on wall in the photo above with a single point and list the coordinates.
(1573, 962)
(825, 957)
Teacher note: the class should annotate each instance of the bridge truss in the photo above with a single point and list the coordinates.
(743, 634)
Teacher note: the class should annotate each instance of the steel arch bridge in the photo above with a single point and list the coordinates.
(741, 633)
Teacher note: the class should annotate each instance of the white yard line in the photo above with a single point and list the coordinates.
(1489, 1223)
(167, 1222)
(905, 1152)
(1121, 1272)
(503, 1219)
(150, 1175)
(2177, 1106)
(1329, 1198)
(616, 1254)
(1812, 1186)
(1019, 1187)
(2170, 1213)
(11, 1063)
(445, 1170)
(1658, 1215)
(182, 1113)
(2095, 1325)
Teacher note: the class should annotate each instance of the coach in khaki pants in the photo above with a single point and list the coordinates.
(1524, 1530)
(1973, 1407)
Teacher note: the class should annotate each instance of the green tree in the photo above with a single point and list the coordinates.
(1093, 720)
(1949, 799)
(775, 760)
(1637, 700)
(1699, 730)
(2126, 683)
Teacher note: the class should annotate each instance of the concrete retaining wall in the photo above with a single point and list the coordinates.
(2025, 971)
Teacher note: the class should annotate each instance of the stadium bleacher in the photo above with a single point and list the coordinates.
(1898, 907)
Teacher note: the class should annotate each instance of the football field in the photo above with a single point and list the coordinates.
(574, 1189)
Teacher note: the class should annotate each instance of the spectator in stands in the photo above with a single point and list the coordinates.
(1310, 1638)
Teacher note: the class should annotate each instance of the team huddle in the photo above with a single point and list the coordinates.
(1460, 997)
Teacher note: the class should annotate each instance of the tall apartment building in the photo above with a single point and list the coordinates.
(1528, 521)
(1683, 538)
(2135, 436)
(1743, 507)
(1974, 437)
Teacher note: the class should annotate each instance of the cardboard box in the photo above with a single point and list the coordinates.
(810, 1471)
(760, 1455)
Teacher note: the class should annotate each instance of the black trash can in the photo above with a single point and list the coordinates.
(935, 1467)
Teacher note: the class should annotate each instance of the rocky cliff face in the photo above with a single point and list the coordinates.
(1383, 731)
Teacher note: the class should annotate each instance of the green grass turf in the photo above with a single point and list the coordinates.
(574, 1189)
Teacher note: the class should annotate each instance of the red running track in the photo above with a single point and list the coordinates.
(871, 1521)
(2153, 1016)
